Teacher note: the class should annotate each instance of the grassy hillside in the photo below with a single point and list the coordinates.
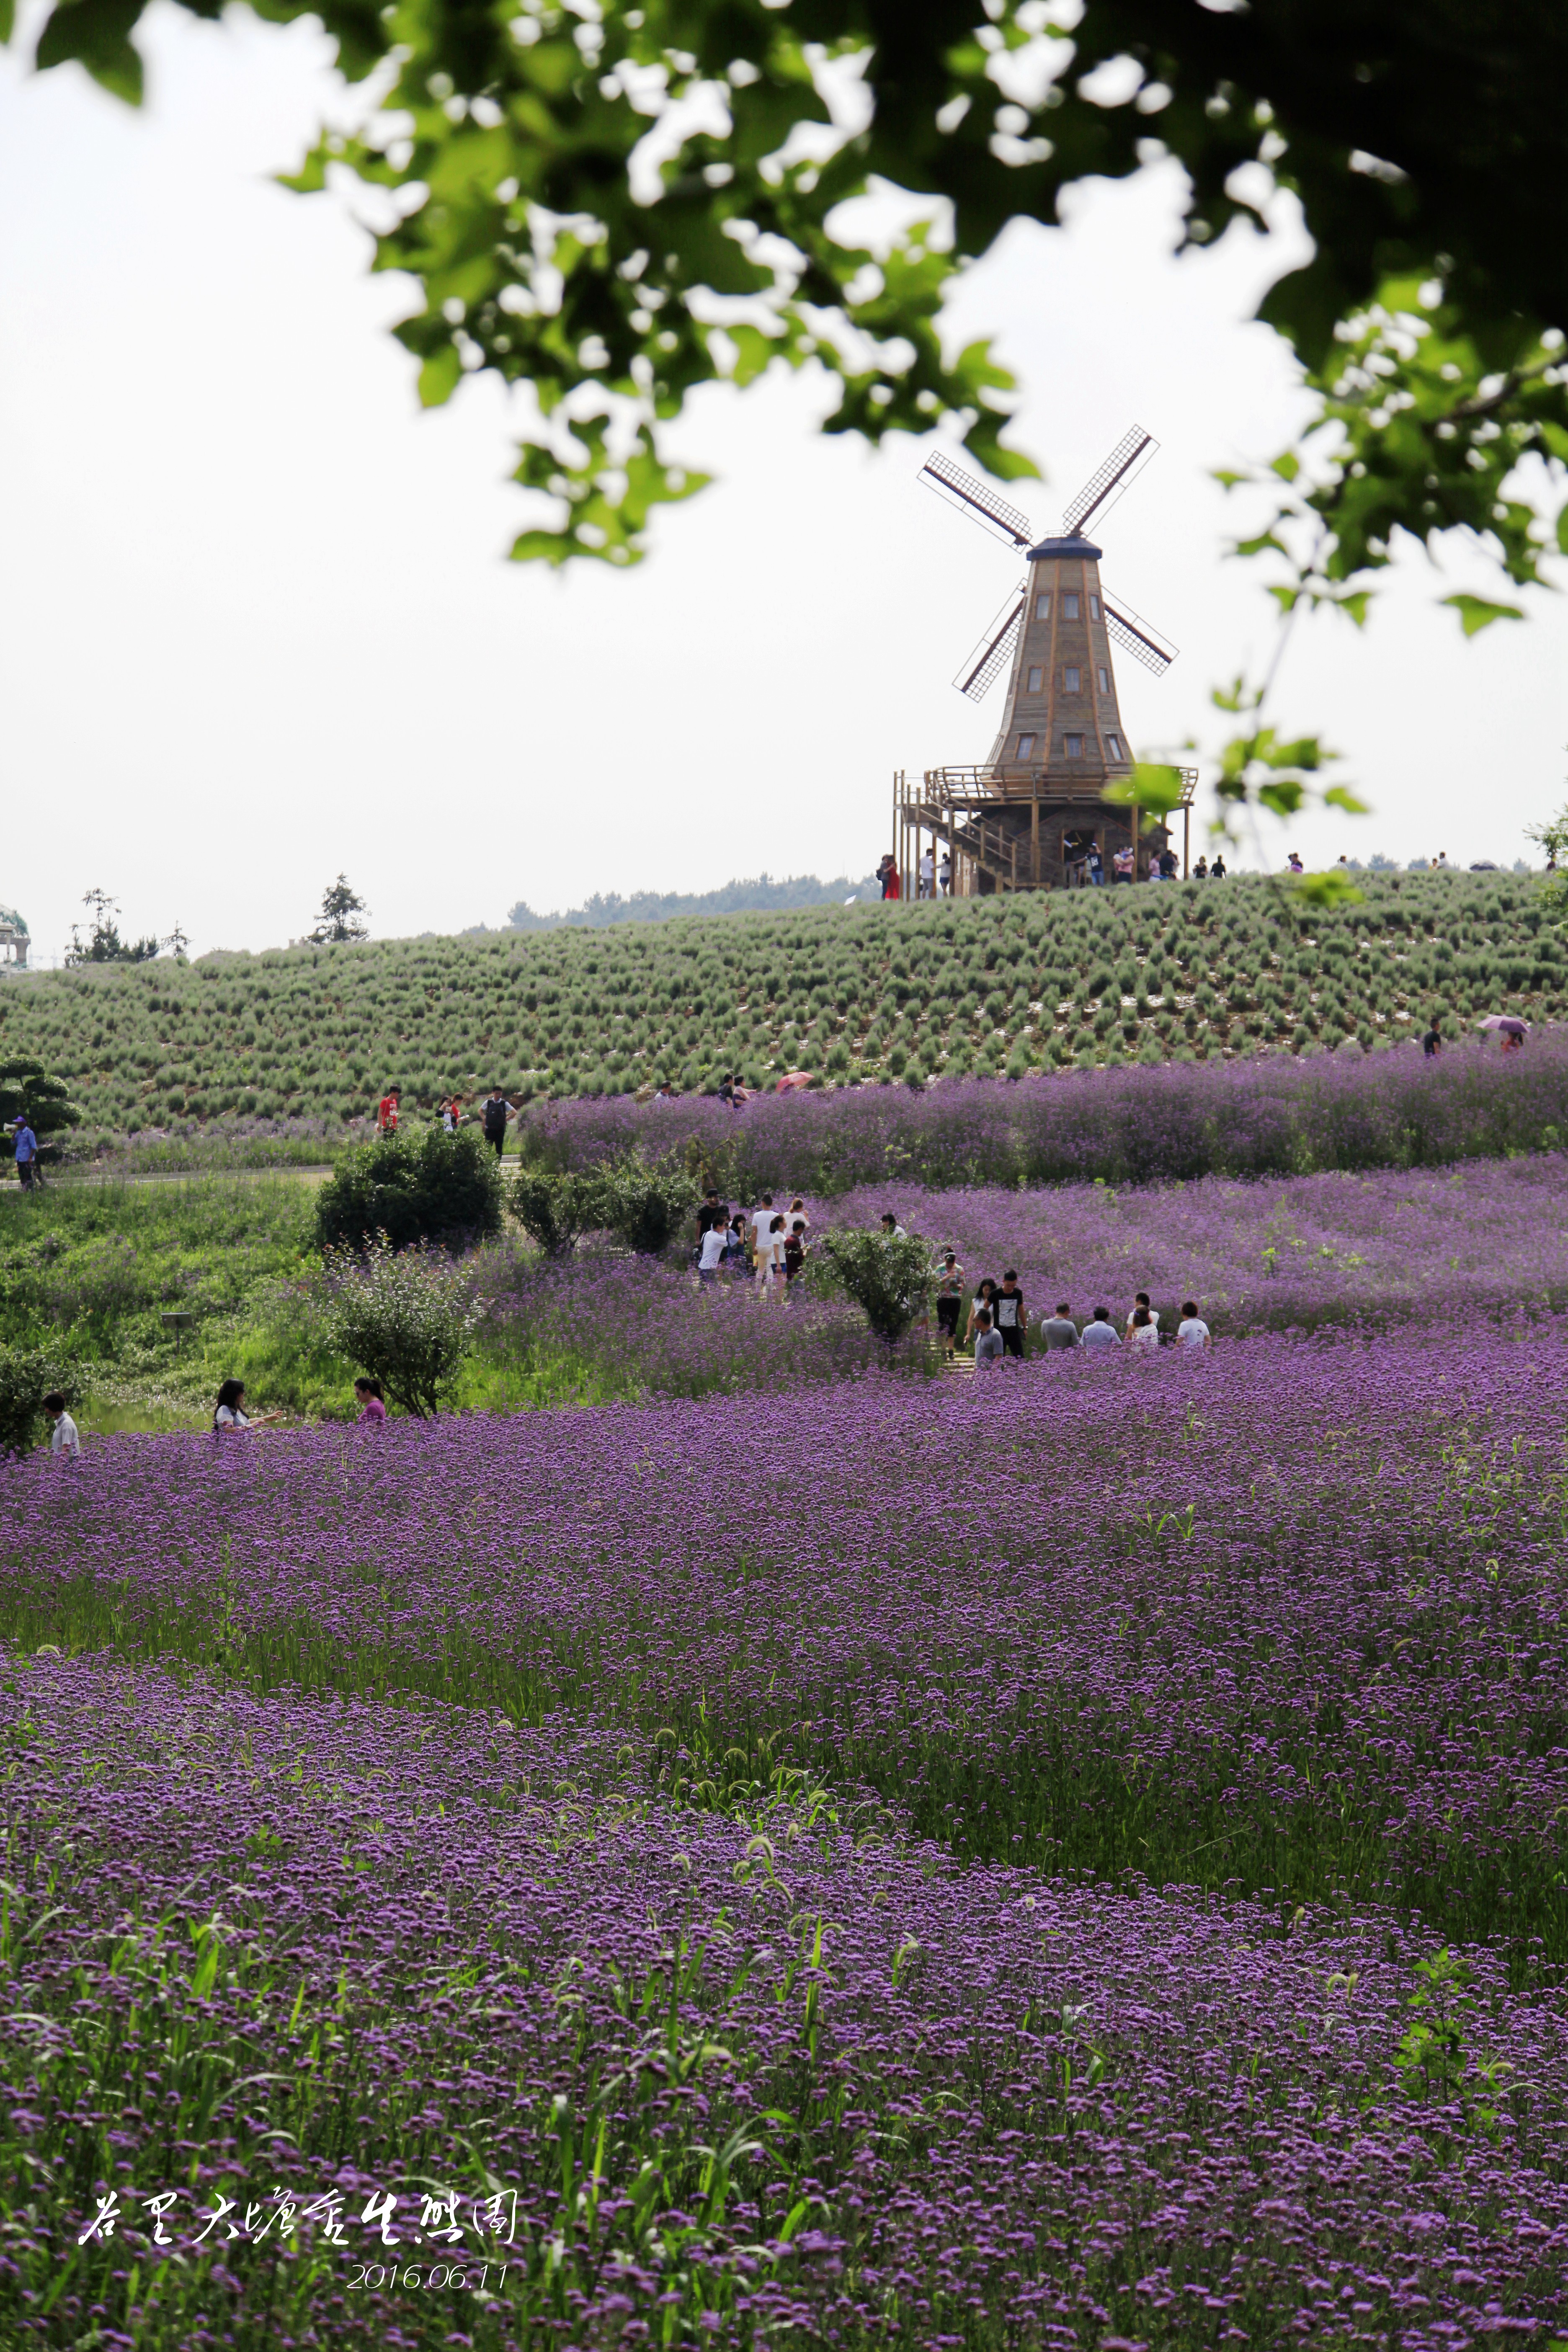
(991, 984)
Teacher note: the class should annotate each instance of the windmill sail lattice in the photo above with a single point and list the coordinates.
(1104, 487)
(975, 498)
(994, 651)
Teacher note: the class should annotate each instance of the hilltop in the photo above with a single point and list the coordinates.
(1152, 973)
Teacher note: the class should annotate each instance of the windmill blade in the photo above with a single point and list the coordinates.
(976, 499)
(1138, 637)
(994, 651)
(1102, 489)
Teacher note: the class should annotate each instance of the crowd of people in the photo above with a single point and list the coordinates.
(998, 1321)
(1085, 862)
(767, 1246)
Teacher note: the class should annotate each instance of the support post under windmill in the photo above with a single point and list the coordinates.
(1034, 838)
(1187, 834)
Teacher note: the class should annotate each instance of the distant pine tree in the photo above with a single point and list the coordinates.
(339, 918)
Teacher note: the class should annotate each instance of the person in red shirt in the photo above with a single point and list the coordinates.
(386, 1110)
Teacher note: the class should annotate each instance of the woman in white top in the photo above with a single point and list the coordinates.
(229, 1413)
(771, 1256)
(711, 1254)
(1145, 1333)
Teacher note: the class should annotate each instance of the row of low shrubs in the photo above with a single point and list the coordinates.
(447, 1190)
(1023, 979)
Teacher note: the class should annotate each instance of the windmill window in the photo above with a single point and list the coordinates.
(1073, 745)
(1025, 747)
(1104, 680)
(1037, 680)
(1094, 608)
(1069, 607)
(1072, 680)
(1042, 608)
(1113, 745)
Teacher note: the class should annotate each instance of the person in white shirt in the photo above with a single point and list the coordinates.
(1192, 1331)
(1142, 1304)
(229, 1415)
(1100, 1333)
(928, 876)
(64, 1437)
(762, 1220)
(892, 1229)
(712, 1255)
(1144, 1335)
(771, 1257)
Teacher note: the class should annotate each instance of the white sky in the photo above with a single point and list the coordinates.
(256, 623)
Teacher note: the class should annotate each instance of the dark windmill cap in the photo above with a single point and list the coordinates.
(1073, 546)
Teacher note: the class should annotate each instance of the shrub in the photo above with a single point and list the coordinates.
(645, 1205)
(27, 1085)
(26, 1380)
(404, 1316)
(557, 1209)
(890, 1279)
(432, 1187)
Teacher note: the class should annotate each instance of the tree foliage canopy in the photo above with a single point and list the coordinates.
(617, 204)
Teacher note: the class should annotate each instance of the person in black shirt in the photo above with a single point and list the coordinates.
(1012, 1315)
(496, 1109)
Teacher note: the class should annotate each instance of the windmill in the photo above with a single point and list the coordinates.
(1061, 739)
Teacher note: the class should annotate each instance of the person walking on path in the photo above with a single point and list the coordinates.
(27, 1148)
(928, 875)
(981, 1303)
(1060, 1331)
(1192, 1331)
(229, 1415)
(1099, 1334)
(1010, 1315)
(496, 1109)
(987, 1342)
(65, 1438)
(794, 1250)
(386, 1110)
(949, 1300)
(372, 1404)
(734, 1257)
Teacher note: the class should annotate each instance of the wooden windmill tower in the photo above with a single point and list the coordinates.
(1026, 818)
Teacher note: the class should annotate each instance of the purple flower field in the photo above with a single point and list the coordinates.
(588, 2069)
(1266, 1114)
(1271, 1253)
(1068, 1857)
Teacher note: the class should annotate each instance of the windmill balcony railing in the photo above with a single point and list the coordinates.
(978, 787)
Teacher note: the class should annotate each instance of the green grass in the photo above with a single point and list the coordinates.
(316, 1033)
